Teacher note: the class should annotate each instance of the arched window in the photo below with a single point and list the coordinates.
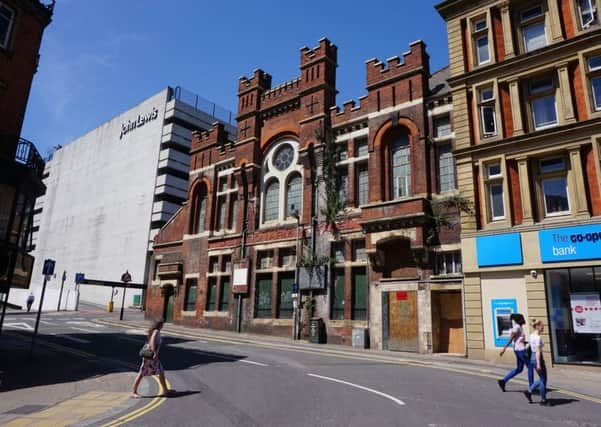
(272, 195)
(199, 209)
(282, 181)
(293, 195)
(400, 166)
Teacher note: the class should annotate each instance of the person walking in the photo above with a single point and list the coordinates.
(30, 300)
(518, 339)
(152, 366)
(537, 362)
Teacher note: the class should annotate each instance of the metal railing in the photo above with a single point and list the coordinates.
(204, 105)
(29, 156)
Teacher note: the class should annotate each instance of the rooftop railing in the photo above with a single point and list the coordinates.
(204, 105)
(29, 156)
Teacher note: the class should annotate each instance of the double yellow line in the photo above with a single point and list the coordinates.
(153, 404)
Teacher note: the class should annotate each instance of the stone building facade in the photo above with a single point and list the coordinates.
(527, 99)
(365, 194)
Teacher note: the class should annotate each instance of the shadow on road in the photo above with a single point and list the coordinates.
(561, 401)
(58, 359)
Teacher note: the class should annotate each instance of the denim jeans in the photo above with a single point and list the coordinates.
(522, 361)
(541, 382)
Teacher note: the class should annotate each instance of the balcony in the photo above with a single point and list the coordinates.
(28, 155)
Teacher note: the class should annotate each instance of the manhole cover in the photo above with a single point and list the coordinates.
(26, 409)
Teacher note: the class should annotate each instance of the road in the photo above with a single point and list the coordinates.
(228, 382)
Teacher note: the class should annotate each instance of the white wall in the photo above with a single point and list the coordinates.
(98, 205)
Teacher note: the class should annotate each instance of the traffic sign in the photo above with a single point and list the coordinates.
(48, 269)
(126, 277)
(79, 278)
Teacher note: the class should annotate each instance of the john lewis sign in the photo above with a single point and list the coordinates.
(570, 243)
(139, 122)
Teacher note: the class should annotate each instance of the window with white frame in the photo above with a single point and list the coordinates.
(342, 184)
(221, 209)
(362, 184)
(480, 37)
(587, 13)
(487, 107)
(401, 167)
(448, 262)
(233, 220)
(7, 19)
(532, 27)
(282, 181)
(442, 126)
(494, 185)
(361, 147)
(446, 168)
(593, 64)
(541, 98)
(553, 185)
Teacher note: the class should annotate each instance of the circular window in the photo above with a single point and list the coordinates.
(283, 158)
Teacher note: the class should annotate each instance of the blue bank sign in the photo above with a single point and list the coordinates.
(570, 243)
(500, 249)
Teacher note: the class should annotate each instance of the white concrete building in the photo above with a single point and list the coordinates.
(109, 192)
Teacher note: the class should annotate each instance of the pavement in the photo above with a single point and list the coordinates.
(84, 364)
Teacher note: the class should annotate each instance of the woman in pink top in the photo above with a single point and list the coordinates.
(518, 339)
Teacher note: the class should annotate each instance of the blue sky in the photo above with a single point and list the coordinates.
(101, 57)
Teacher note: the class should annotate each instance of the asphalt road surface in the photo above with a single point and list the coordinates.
(228, 383)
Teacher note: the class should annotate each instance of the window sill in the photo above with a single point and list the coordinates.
(216, 313)
(189, 313)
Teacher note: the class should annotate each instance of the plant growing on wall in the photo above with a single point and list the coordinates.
(443, 213)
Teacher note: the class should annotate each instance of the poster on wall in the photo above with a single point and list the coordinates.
(501, 310)
(586, 313)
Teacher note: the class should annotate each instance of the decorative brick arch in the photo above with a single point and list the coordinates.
(381, 146)
(278, 133)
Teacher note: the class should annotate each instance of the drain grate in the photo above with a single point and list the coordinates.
(26, 409)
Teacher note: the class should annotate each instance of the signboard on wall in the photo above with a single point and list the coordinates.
(570, 243)
(240, 285)
(500, 249)
(501, 324)
(586, 313)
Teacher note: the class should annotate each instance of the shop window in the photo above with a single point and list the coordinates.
(285, 296)
(594, 78)
(401, 167)
(532, 28)
(272, 194)
(496, 196)
(359, 250)
(7, 18)
(573, 301)
(337, 298)
(587, 13)
(211, 293)
(448, 262)
(293, 196)
(361, 147)
(359, 292)
(224, 293)
(541, 99)
(191, 291)
(553, 184)
(446, 168)
(263, 297)
(442, 127)
(362, 184)
(481, 40)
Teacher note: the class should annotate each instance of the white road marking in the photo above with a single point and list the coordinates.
(84, 323)
(89, 331)
(135, 332)
(67, 337)
(45, 322)
(379, 393)
(250, 362)
(19, 325)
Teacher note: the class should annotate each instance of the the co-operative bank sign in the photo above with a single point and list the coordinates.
(570, 243)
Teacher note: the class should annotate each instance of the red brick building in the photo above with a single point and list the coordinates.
(22, 23)
(365, 194)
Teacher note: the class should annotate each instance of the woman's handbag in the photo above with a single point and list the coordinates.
(146, 352)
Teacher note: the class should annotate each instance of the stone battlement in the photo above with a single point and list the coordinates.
(350, 111)
(325, 48)
(416, 58)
